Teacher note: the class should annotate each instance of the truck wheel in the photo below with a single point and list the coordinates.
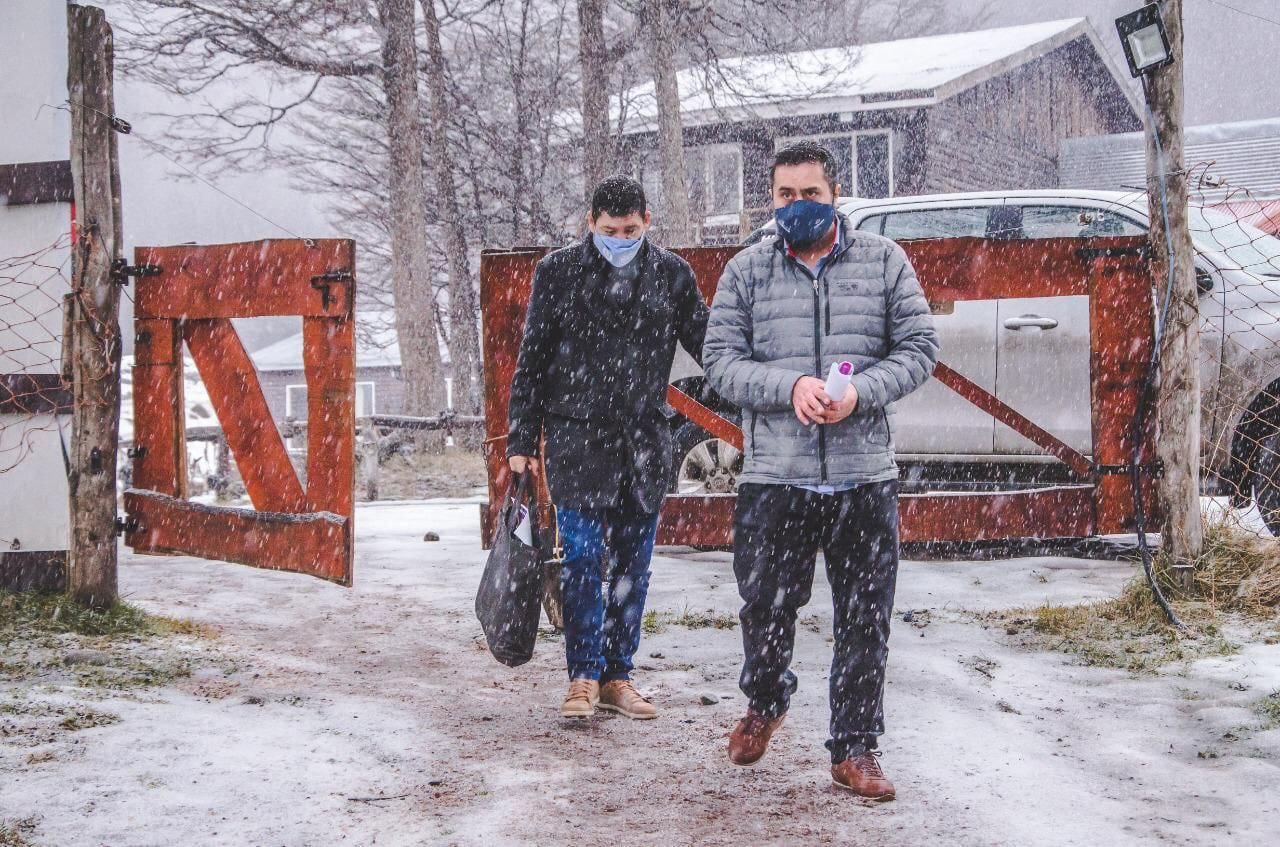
(704, 464)
(1266, 481)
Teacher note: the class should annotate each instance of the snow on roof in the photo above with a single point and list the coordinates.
(376, 347)
(922, 70)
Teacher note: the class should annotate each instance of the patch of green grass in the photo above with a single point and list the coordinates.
(49, 636)
(131, 673)
(1129, 632)
(53, 613)
(13, 833)
(1237, 573)
(80, 717)
(655, 622)
(1268, 708)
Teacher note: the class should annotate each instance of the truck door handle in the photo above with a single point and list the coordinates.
(1024, 321)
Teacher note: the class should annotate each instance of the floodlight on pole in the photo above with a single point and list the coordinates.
(1145, 42)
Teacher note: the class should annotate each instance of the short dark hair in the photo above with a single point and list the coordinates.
(806, 151)
(620, 196)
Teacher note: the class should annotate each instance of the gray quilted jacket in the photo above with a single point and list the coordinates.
(772, 322)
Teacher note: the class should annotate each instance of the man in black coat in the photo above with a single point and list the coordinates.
(591, 380)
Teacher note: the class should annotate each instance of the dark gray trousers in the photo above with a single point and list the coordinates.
(778, 530)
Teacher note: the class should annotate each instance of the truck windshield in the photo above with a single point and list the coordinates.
(1248, 247)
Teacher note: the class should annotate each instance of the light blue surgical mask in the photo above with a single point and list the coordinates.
(617, 251)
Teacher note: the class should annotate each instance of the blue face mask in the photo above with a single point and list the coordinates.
(617, 251)
(802, 222)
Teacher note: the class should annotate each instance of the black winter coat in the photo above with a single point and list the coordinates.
(593, 377)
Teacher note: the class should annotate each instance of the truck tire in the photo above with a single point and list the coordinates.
(1265, 472)
(703, 463)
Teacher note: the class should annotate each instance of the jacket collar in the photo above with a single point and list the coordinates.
(588, 255)
(595, 272)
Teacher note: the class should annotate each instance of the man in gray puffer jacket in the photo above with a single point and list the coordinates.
(818, 473)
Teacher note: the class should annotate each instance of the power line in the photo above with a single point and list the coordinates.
(1253, 15)
(124, 128)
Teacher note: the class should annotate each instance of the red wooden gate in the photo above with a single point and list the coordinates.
(190, 294)
(1113, 272)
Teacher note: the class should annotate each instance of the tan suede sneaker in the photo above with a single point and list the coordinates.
(581, 700)
(750, 738)
(619, 695)
(862, 775)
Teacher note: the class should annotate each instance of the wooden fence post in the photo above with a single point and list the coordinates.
(369, 461)
(1178, 398)
(95, 322)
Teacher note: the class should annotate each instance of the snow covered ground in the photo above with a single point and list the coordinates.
(373, 715)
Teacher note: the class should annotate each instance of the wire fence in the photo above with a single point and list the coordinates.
(33, 287)
(1238, 279)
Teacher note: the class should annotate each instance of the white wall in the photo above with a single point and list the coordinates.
(33, 73)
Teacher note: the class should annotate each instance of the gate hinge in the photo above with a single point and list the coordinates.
(322, 282)
(136, 452)
(121, 270)
(127, 524)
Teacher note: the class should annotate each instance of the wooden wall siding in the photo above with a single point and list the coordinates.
(757, 142)
(1005, 132)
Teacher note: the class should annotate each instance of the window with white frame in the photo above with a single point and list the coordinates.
(873, 164)
(864, 160)
(715, 178)
(295, 402)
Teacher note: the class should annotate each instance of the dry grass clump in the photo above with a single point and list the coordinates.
(1238, 574)
(1239, 571)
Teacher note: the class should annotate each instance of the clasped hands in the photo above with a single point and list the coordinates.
(812, 405)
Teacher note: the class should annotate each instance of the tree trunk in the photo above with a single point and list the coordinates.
(592, 53)
(464, 331)
(95, 323)
(1178, 400)
(410, 261)
(660, 35)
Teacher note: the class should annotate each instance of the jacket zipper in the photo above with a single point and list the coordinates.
(826, 289)
(817, 362)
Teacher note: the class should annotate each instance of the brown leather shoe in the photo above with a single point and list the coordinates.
(619, 695)
(581, 699)
(862, 775)
(750, 738)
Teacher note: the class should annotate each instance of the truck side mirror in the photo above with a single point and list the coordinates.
(1204, 281)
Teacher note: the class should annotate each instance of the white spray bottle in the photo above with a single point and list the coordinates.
(838, 380)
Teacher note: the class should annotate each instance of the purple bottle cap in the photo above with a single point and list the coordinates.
(846, 368)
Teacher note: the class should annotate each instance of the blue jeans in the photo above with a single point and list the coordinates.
(602, 634)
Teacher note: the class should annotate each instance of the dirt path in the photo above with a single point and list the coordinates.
(373, 716)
